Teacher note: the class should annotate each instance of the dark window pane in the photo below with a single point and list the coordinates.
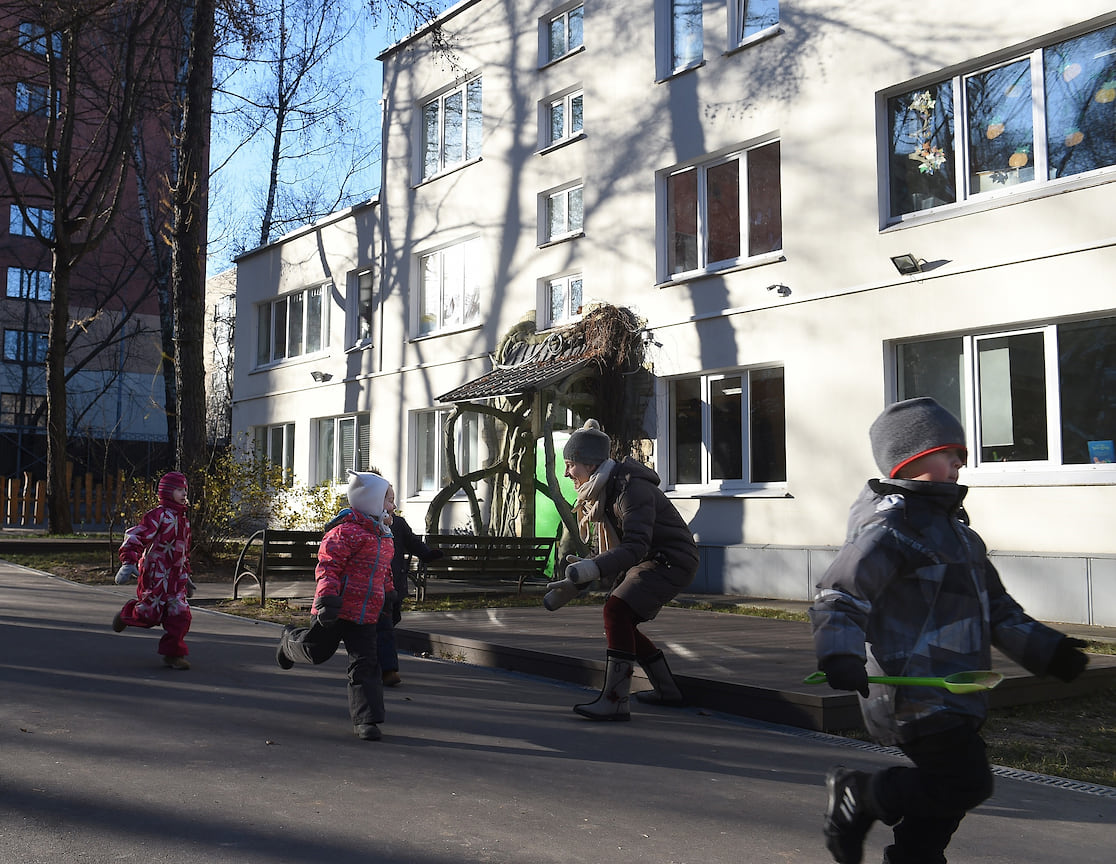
(1001, 127)
(686, 418)
(767, 426)
(682, 221)
(921, 169)
(1012, 388)
(765, 214)
(1087, 375)
(1080, 82)
(723, 208)
(726, 428)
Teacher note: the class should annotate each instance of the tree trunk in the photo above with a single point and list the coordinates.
(59, 520)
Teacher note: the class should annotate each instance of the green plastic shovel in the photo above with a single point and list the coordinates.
(958, 682)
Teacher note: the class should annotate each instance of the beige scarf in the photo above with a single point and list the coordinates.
(590, 507)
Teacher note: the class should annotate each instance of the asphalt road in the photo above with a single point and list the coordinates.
(106, 756)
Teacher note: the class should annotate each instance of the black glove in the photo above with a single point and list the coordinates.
(434, 555)
(190, 587)
(396, 612)
(846, 672)
(326, 609)
(1069, 660)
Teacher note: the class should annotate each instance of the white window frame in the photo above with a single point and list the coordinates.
(570, 313)
(266, 322)
(457, 268)
(333, 467)
(570, 19)
(25, 346)
(738, 24)
(670, 58)
(565, 196)
(427, 479)
(39, 221)
(472, 130)
(25, 284)
(964, 398)
(276, 442)
(563, 102)
(362, 310)
(707, 382)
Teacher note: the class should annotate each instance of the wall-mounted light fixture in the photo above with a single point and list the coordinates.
(783, 290)
(907, 264)
(320, 377)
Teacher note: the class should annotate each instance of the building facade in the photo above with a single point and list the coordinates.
(817, 210)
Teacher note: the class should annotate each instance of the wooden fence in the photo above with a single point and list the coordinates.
(23, 500)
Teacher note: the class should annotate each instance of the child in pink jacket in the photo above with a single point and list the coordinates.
(354, 570)
(160, 546)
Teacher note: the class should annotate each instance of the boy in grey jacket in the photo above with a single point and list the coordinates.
(912, 593)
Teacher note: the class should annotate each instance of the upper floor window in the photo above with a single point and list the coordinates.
(451, 128)
(751, 17)
(33, 38)
(28, 284)
(1017, 125)
(563, 118)
(565, 32)
(450, 295)
(276, 443)
(38, 221)
(723, 210)
(344, 444)
(290, 326)
(32, 99)
(728, 429)
(22, 409)
(563, 299)
(431, 462)
(1043, 396)
(30, 159)
(25, 346)
(563, 213)
(687, 40)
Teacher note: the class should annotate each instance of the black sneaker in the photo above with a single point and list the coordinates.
(281, 657)
(118, 623)
(846, 814)
(368, 732)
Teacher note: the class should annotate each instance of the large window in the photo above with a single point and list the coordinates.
(723, 211)
(563, 299)
(563, 213)
(30, 159)
(563, 118)
(28, 284)
(1038, 395)
(431, 470)
(25, 346)
(564, 32)
(33, 38)
(37, 220)
(450, 295)
(728, 429)
(451, 128)
(32, 99)
(22, 409)
(343, 445)
(1021, 124)
(290, 326)
(276, 443)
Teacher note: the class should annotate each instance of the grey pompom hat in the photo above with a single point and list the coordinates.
(910, 429)
(588, 445)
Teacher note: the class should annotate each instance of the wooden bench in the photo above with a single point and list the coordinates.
(471, 558)
(271, 553)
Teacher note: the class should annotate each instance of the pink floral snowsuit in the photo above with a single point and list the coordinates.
(160, 544)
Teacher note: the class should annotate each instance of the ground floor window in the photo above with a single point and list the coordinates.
(1042, 394)
(431, 466)
(343, 445)
(277, 444)
(728, 429)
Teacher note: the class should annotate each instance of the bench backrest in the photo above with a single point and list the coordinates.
(289, 551)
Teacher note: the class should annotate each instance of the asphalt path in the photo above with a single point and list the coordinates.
(107, 756)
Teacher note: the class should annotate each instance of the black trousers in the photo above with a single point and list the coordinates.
(316, 644)
(926, 803)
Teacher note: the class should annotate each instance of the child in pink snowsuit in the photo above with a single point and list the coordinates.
(160, 544)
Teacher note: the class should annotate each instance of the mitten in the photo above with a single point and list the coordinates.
(560, 593)
(190, 587)
(1069, 660)
(327, 609)
(126, 572)
(846, 672)
(581, 571)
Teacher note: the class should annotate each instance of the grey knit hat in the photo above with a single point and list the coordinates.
(588, 445)
(913, 428)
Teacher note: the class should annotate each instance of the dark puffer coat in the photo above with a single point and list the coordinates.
(913, 591)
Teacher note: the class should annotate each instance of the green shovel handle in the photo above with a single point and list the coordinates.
(961, 682)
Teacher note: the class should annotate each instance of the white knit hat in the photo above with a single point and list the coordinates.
(366, 492)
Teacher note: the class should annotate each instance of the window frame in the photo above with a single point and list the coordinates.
(303, 296)
(33, 39)
(32, 160)
(22, 346)
(340, 463)
(472, 125)
(263, 438)
(546, 57)
(546, 303)
(31, 99)
(362, 310)
(566, 193)
(39, 222)
(28, 284)
(32, 403)
(738, 21)
(469, 422)
(546, 114)
(472, 263)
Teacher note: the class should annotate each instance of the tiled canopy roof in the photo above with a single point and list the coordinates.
(530, 367)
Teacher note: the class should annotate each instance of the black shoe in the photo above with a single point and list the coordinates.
(118, 623)
(368, 732)
(281, 657)
(847, 819)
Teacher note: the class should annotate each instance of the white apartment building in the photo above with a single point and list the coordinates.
(817, 208)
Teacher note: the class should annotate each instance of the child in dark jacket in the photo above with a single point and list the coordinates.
(406, 543)
(913, 593)
(353, 573)
(157, 552)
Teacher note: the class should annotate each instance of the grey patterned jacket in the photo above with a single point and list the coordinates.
(913, 592)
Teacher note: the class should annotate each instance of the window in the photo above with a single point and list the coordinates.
(728, 429)
(25, 346)
(563, 118)
(37, 220)
(563, 299)
(343, 445)
(451, 128)
(290, 326)
(751, 17)
(365, 309)
(29, 159)
(32, 37)
(686, 38)
(563, 214)
(276, 443)
(1039, 395)
(430, 463)
(722, 211)
(22, 409)
(564, 33)
(32, 99)
(1026, 122)
(28, 284)
(450, 296)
